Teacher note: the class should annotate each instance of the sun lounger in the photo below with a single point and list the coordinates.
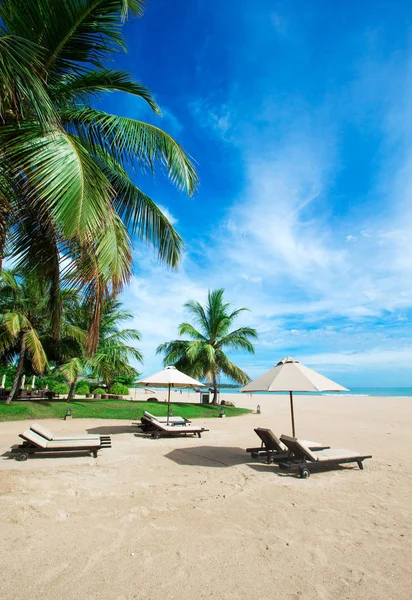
(148, 421)
(271, 447)
(175, 420)
(50, 436)
(303, 459)
(34, 442)
(159, 429)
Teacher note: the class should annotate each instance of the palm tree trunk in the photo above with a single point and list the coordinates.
(214, 383)
(19, 373)
(70, 395)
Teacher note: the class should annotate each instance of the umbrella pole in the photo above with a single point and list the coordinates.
(292, 414)
(168, 405)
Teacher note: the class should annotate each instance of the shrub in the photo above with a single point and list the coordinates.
(118, 389)
(59, 388)
(82, 390)
(99, 391)
(84, 386)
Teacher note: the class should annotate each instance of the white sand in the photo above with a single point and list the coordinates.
(195, 518)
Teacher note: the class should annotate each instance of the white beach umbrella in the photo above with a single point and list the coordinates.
(23, 382)
(290, 376)
(32, 382)
(3, 380)
(169, 377)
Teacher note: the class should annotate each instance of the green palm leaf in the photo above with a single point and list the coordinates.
(22, 90)
(80, 88)
(129, 140)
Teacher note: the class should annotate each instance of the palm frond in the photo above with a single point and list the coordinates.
(142, 217)
(35, 348)
(188, 329)
(15, 322)
(231, 370)
(72, 369)
(75, 33)
(130, 141)
(22, 90)
(61, 176)
(238, 339)
(81, 88)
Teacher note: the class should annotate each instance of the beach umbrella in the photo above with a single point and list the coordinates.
(290, 376)
(23, 381)
(170, 377)
(3, 380)
(32, 382)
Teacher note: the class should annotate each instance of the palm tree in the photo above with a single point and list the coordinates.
(115, 349)
(22, 318)
(203, 355)
(113, 352)
(66, 185)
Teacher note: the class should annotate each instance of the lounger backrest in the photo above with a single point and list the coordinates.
(149, 415)
(298, 449)
(36, 439)
(269, 439)
(42, 431)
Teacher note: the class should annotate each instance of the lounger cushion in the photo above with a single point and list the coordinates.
(41, 442)
(336, 454)
(179, 420)
(40, 430)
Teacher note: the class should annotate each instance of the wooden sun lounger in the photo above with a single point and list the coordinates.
(271, 447)
(162, 430)
(34, 443)
(50, 436)
(303, 459)
(175, 420)
(148, 421)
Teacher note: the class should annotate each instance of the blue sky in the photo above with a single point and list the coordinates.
(298, 115)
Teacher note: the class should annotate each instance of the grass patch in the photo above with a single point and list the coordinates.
(110, 409)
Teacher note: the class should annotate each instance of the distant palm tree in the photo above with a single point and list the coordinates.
(203, 355)
(22, 318)
(66, 185)
(114, 351)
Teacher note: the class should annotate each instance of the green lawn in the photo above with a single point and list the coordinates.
(109, 409)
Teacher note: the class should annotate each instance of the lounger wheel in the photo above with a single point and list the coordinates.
(22, 457)
(156, 435)
(304, 473)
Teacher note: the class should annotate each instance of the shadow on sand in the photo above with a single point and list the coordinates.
(208, 456)
(114, 429)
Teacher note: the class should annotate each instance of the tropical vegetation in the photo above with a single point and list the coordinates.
(203, 354)
(110, 409)
(26, 340)
(69, 202)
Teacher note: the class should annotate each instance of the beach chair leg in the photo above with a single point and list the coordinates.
(199, 434)
(94, 453)
(360, 464)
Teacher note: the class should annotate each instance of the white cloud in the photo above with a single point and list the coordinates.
(217, 119)
(171, 218)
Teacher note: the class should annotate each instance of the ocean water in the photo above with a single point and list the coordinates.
(405, 392)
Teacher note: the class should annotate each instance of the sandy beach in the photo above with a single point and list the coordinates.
(196, 518)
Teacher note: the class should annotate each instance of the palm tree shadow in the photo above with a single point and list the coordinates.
(208, 456)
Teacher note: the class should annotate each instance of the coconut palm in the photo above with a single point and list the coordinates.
(23, 315)
(114, 350)
(66, 167)
(203, 355)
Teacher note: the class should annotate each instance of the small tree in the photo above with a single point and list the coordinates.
(22, 316)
